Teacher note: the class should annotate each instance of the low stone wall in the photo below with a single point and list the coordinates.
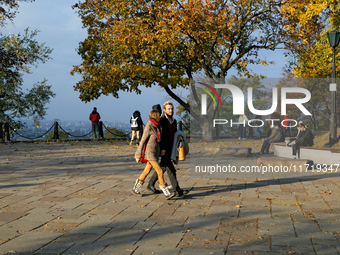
(318, 155)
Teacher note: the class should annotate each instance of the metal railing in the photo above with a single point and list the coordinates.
(5, 132)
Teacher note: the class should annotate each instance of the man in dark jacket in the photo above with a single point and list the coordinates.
(275, 136)
(169, 126)
(94, 118)
(305, 138)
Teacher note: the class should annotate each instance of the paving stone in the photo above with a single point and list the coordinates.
(327, 225)
(323, 250)
(291, 241)
(173, 221)
(325, 242)
(120, 236)
(280, 230)
(23, 225)
(156, 237)
(249, 247)
(238, 252)
(57, 227)
(201, 233)
(246, 226)
(10, 216)
(274, 221)
(202, 244)
(90, 230)
(7, 233)
(156, 250)
(121, 249)
(295, 249)
(54, 248)
(208, 221)
(146, 225)
(80, 238)
(250, 240)
(306, 229)
(28, 242)
(98, 211)
(88, 249)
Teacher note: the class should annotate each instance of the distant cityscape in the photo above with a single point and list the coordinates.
(76, 128)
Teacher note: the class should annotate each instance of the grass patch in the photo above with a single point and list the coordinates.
(320, 141)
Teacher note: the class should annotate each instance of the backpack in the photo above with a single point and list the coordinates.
(133, 122)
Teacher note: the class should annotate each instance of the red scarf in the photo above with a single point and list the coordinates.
(157, 125)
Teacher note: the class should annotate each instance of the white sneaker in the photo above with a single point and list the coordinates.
(294, 157)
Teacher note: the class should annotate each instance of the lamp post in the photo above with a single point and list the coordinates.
(333, 39)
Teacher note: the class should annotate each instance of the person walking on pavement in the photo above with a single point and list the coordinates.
(151, 139)
(94, 118)
(169, 126)
(136, 126)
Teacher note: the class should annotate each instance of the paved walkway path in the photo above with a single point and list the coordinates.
(75, 198)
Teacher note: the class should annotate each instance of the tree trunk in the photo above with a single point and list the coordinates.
(207, 129)
(205, 122)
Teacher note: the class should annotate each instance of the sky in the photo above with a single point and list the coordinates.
(61, 29)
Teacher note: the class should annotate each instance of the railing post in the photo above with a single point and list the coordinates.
(7, 135)
(56, 133)
(101, 133)
(180, 125)
(1, 132)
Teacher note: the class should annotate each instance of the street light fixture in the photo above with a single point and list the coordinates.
(333, 39)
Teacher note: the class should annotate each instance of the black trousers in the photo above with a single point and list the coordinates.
(295, 148)
(166, 165)
(265, 146)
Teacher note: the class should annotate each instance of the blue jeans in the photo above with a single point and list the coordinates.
(95, 130)
(257, 132)
(242, 132)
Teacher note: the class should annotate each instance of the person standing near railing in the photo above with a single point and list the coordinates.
(243, 122)
(94, 118)
(136, 127)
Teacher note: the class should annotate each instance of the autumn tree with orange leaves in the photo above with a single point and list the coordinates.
(134, 43)
(312, 55)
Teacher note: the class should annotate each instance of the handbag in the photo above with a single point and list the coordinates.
(181, 151)
(142, 159)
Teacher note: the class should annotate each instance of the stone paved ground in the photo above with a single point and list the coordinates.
(74, 198)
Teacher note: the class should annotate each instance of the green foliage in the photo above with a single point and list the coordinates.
(62, 135)
(117, 133)
(19, 53)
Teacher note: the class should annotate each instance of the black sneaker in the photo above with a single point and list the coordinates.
(152, 189)
(181, 192)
